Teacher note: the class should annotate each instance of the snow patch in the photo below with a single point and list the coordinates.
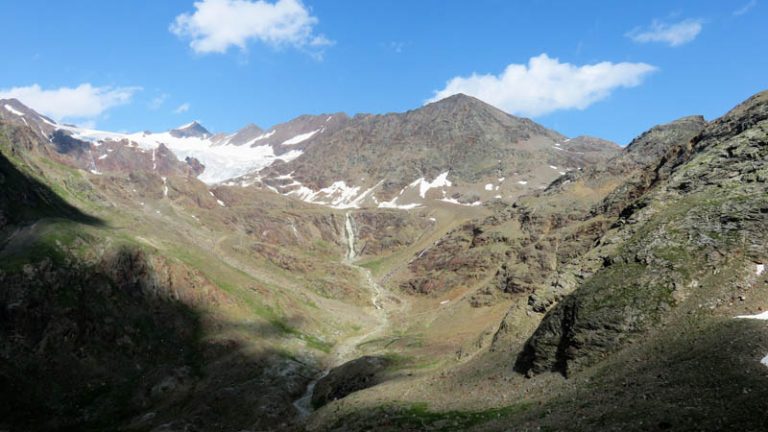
(104, 156)
(455, 201)
(759, 269)
(165, 186)
(760, 316)
(553, 167)
(489, 187)
(301, 138)
(425, 186)
(522, 182)
(260, 137)
(14, 111)
(394, 205)
(338, 195)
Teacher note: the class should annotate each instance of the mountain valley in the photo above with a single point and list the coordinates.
(452, 267)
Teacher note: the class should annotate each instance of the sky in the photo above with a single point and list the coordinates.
(602, 68)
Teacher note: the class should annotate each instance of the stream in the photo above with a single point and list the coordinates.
(345, 350)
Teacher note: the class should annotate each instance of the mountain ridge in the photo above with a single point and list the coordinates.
(321, 158)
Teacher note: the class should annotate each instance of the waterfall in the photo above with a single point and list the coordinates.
(350, 234)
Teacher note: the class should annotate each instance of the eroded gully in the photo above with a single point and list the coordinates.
(345, 350)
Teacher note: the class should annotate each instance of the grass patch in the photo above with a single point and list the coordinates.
(374, 265)
(419, 415)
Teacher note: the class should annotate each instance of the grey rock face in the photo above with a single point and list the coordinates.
(694, 208)
(348, 378)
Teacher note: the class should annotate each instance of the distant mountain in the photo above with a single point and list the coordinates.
(190, 130)
(14, 111)
(457, 151)
(243, 136)
(465, 149)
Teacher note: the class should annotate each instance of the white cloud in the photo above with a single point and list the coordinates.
(66, 103)
(158, 101)
(217, 25)
(675, 34)
(182, 108)
(746, 8)
(546, 85)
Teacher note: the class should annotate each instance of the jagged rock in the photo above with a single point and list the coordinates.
(348, 378)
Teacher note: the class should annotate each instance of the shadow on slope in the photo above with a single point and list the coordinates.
(704, 376)
(24, 199)
(123, 343)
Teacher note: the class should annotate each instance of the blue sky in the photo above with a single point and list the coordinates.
(609, 69)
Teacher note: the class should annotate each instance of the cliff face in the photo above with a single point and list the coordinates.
(698, 227)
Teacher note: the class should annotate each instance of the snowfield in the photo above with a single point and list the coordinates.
(222, 162)
(301, 138)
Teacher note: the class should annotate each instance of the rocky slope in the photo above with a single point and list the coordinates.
(662, 244)
(626, 279)
(142, 299)
(459, 150)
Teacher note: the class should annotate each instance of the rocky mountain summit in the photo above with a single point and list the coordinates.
(191, 130)
(466, 150)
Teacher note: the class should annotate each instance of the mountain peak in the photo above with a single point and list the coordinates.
(462, 104)
(193, 129)
(460, 99)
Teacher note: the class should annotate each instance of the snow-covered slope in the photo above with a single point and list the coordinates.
(222, 162)
(456, 152)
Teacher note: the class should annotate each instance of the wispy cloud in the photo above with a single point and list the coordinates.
(397, 47)
(83, 103)
(217, 25)
(746, 8)
(546, 85)
(674, 34)
(182, 108)
(158, 101)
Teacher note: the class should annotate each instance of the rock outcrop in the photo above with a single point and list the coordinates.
(711, 202)
(352, 376)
